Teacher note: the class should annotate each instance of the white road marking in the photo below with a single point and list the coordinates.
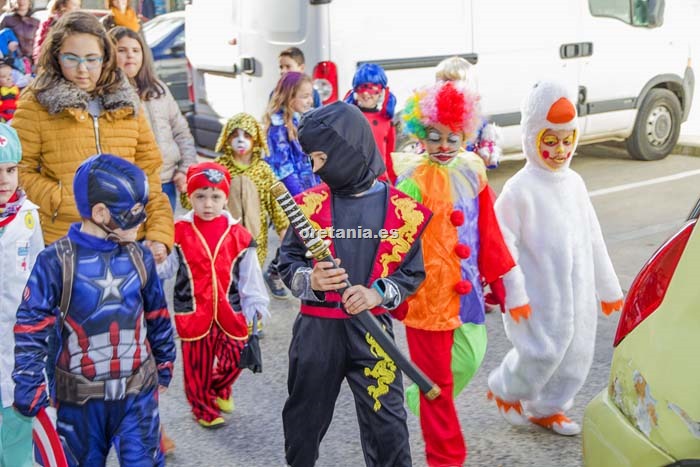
(652, 181)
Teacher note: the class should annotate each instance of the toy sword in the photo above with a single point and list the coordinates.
(320, 251)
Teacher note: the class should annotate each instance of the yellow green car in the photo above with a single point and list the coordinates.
(649, 414)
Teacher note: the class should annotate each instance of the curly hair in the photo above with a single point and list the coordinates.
(447, 103)
(77, 22)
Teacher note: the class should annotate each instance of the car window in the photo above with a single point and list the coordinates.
(157, 29)
(179, 40)
(619, 9)
(634, 12)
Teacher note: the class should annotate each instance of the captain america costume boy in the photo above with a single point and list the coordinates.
(116, 339)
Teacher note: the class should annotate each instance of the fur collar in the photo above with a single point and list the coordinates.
(65, 95)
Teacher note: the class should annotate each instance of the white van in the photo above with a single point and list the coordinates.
(629, 59)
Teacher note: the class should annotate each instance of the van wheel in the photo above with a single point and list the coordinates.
(657, 126)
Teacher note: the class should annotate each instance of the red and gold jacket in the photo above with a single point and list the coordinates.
(206, 283)
(408, 217)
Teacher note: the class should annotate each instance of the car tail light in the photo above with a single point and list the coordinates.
(649, 287)
(190, 82)
(326, 81)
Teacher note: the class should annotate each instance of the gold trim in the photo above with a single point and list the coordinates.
(405, 208)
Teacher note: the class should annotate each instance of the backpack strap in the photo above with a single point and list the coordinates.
(65, 251)
(136, 256)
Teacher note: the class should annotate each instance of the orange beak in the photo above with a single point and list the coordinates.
(562, 111)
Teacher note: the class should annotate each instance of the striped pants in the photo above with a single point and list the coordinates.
(210, 367)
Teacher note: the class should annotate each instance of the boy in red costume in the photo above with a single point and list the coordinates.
(370, 93)
(219, 286)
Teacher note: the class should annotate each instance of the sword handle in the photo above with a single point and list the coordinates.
(320, 251)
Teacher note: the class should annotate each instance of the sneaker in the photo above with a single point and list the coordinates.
(218, 422)
(276, 286)
(512, 412)
(167, 445)
(558, 423)
(226, 405)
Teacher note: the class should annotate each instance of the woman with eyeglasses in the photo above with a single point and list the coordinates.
(79, 105)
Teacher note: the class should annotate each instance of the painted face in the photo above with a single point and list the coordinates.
(129, 56)
(442, 144)
(208, 203)
(81, 58)
(241, 142)
(368, 95)
(555, 147)
(318, 160)
(6, 77)
(303, 99)
(8, 181)
(289, 64)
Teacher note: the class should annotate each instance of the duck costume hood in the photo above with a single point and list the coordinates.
(342, 132)
(551, 106)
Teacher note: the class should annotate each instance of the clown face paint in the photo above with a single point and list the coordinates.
(555, 147)
(241, 143)
(442, 144)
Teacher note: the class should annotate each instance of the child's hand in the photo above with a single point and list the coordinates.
(359, 298)
(324, 277)
(162, 389)
(180, 181)
(160, 253)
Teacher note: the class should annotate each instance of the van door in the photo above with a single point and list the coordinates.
(214, 60)
(627, 53)
(518, 44)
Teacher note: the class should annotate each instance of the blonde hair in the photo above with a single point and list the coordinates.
(281, 100)
(453, 69)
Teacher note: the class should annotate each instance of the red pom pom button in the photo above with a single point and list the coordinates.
(462, 250)
(463, 287)
(457, 218)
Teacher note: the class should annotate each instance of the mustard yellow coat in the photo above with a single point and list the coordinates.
(58, 134)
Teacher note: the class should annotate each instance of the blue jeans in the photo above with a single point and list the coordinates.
(169, 189)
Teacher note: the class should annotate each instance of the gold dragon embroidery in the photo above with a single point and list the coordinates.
(384, 372)
(405, 209)
(311, 205)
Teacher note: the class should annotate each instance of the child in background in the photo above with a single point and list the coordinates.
(20, 243)
(488, 136)
(219, 286)
(116, 293)
(445, 322)
(371, 94)
(292, 59)
(291, 98)
(564, 274)
(9, 93)
(243, 146)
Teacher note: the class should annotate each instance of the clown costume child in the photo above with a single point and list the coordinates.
(564, 274)
(463, 247)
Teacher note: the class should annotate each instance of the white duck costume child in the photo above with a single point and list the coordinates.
(563, 273)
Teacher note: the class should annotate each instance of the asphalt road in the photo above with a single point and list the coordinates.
(635, 220)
